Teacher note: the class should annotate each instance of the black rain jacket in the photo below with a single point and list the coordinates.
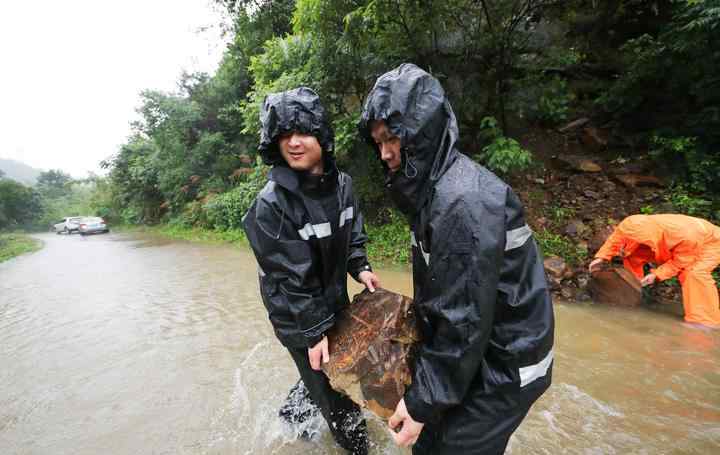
(306, 231)
(480, 289)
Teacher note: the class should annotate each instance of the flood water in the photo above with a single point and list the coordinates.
(128, 344)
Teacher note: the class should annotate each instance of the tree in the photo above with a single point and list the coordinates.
(54, 183)
(19, 205)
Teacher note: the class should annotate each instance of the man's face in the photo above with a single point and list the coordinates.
(388, 144)
(302, 152)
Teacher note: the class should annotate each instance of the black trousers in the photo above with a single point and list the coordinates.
(342, 415)
(481, 425)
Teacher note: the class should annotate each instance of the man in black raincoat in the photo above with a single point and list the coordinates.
(479, 284)
(307, 234)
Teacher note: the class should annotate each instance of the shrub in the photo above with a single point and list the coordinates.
(687, 203)
(503, 155)
(686, 156)
(552, 244)
(226, 210)
(543, 100)
(389, 241)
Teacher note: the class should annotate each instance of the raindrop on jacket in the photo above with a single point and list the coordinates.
(480, 290)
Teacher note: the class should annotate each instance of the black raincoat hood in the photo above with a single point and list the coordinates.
(293, 110)
(414, 106)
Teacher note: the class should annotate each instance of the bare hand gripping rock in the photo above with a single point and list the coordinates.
(371, 350)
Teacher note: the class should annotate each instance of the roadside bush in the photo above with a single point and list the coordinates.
(543, 100)
(192, 215)
(131, 215)
(693, 205)
(225, 211)
(389, 242)
(552, 244)
(685, 156)
(503, 155)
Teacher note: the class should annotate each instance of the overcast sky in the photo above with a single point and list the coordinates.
(71, 72)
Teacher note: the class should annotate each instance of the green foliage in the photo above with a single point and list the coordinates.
(54, 183)
(689, 160)
(12, 245)
(503, 155)
(544, 100)
(225, 211)
(19, 205)
(286, 63)
(691, 204)
(389, 241)
(75, 202)
(558, 215)
(647, 210)
(182, 165)
(196, 234)
(552, 244)
(553, 103)
(670, 84)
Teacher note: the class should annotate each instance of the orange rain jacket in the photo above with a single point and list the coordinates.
(680, 245)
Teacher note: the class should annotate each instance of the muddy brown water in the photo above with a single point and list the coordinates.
(130, 344)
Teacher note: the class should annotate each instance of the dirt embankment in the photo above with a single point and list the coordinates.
(583, 183)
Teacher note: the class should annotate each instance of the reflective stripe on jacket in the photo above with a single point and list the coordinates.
(480, 293)
(304, 253)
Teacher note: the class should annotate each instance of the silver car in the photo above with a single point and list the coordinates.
(67, 225)
(92, 225)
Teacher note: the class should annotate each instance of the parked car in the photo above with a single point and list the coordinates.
(67, 225)
(92, 225)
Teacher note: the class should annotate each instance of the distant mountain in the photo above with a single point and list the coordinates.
(18, 171)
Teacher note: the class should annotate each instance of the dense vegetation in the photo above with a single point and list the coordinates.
(645, 69)
(54, 196)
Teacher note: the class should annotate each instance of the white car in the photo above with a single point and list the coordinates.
(92, 225)
(67, 225)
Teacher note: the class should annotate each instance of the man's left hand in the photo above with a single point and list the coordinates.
(369, 279)
(410, 430)
(648, 279)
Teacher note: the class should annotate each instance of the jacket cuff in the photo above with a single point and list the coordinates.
(661, 274)
(316, 333)
(312, 341)
(419, 411)
(357, 266)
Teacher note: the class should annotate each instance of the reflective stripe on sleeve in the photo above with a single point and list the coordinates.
(346, 215)
(318, 230)
(414, 242)
(517, 237)
(532, 372)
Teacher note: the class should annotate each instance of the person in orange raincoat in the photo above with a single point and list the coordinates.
(679, 245)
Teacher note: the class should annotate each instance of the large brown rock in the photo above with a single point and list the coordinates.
(635, 180)
(615, 286)
(579, 163)
(371, 348)
(557, 270)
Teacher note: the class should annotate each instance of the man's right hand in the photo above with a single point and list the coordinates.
(319, 352)
(595, 264)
